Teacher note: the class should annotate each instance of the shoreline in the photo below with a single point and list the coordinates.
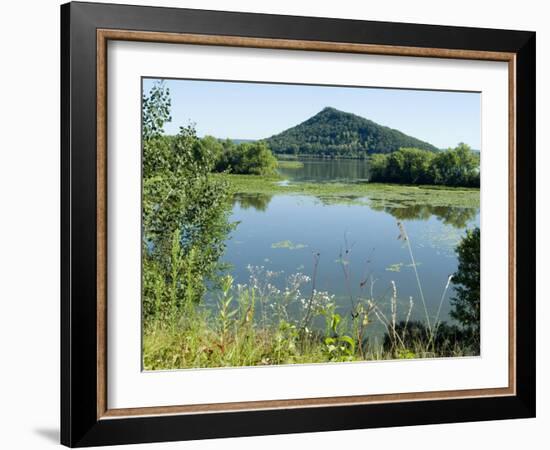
(377, 194)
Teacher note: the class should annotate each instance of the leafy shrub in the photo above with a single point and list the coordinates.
(452, 167)
(246, 158)
(416, 340)
(466, 302)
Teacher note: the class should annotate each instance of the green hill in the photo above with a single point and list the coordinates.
(336, 133)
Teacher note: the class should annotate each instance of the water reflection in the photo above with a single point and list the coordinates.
(457, 217)
(282, 233)
(454, 216)
(326, 171)
(258, 202)
(322, 171)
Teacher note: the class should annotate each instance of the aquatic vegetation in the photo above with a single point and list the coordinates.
(377, 195)
(394, 267)
(288, 244)
(289, 164)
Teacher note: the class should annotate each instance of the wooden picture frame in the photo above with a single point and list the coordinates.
(86, 418)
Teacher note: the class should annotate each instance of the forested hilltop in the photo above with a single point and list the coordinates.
(340, 134)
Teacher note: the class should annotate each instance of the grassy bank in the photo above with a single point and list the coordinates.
(252, 326)
(377, 194)
(200, 344)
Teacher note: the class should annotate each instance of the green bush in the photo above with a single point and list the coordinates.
(466, 302)
(452, 167)
(246, 158)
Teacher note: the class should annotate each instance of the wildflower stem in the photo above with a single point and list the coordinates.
(407, 240)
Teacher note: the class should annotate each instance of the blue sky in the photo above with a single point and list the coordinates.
(255, 110)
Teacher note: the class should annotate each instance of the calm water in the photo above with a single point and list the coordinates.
(323, 171)
(283, 232)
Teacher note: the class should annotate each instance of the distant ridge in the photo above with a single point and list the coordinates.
(242, 141)
(332, 132)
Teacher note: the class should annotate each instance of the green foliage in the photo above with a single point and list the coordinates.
(246, 158)
(456, 167)
(416, 341)
(452, 205)
(407, 165)
(452, 167)
(214, 147)
(155, 111)
(338, 346)
(378, 195)
(185, 212)
(466, 303)
(339, 134)
(288, 244)
(231, 336)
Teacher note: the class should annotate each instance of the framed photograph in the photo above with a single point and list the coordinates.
(276, 224)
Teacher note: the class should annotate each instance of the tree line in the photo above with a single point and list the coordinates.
(244, 158)
(457, 166)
